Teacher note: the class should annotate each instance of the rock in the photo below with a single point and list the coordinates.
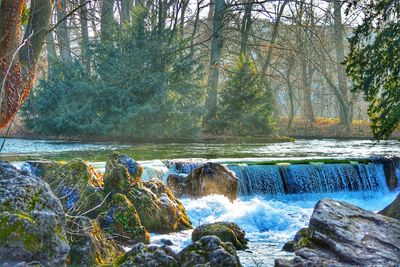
(209, 251)
(210, 178)
(90, 246)
(178, 184)
(32, 221)
(227, 232)
(121, 174)
(393, 210)
(158, 209)
(78, 186)
(149, 256)
(122, 221)
(340, 234)
(390, 166)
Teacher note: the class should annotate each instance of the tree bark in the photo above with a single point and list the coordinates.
(106, 20)
(344, 106)
(215, 58)
(18, 60)
(62, 31)
(83, 17)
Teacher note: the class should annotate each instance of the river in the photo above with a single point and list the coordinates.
(278, 186)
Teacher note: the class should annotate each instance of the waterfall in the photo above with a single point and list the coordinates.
(307, 178)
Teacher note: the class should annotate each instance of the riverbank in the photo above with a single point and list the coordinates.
(327, 128)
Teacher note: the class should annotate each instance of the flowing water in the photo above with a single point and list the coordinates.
(278, 183)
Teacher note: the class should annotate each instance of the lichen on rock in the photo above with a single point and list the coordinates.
(32, 221)
(227, 232)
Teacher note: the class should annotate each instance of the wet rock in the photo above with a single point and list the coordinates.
(210, 178)
(393, 209)
(121, 174)
(227, 232)
(90, 245)
(158, 209)
(122, 221)
(178, 184)
(32, 221)
(149, 256)
(209, 251)
(340, 234)
(78, 186)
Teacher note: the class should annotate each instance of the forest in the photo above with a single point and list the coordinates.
(185, 69)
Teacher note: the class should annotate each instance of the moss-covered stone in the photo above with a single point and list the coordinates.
(32, 221)
(122, 221)
(393, 210)
(78, 186)
(209, 251)
(149, 255)
(121, 174)
(90, 245)
(158, 209)
(227, 232)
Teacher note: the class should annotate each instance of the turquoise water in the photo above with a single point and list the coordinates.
(300, 149)
(269, 220)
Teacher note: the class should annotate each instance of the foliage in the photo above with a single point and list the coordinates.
(374, 64)
(140, 87)
(245, 107)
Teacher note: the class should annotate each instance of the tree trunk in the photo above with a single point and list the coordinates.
(106, 20)
(245, 27)
(83, 17)
(62, 31)
(215, 57)
(344, 107)
(18, 61)
(126, 7)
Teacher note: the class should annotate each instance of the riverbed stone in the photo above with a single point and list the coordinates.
(210, 178)
(32, 221)
(209, 251)
(121, 173)
(90, 245)
(149, 256)
(78, 186)
(227, 232)
(122, 221)
(158, 209)
(341, 234)
(393, 209)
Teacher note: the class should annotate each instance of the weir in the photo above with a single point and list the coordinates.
(377, 174)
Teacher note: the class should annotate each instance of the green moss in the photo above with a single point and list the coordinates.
(17, 229)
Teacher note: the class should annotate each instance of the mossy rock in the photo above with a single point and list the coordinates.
(32, 221)
(158, 209)
(149, 255)
(90, 245)
(227, 232)
(209, 251)
(122, 221)
(121, 174)
(393, 210)
(78, 186)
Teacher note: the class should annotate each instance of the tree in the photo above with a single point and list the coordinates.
(374, 65)
(18, 59)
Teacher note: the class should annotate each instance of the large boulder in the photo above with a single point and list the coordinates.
(122, 221)
(393, 210)
(78, 186)
(209, 251)
(158, 209)
(227, 232)
(210, 178)
(32, 221)
(90, 245)
(340, 234)
(122, 172)
(149, 256)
